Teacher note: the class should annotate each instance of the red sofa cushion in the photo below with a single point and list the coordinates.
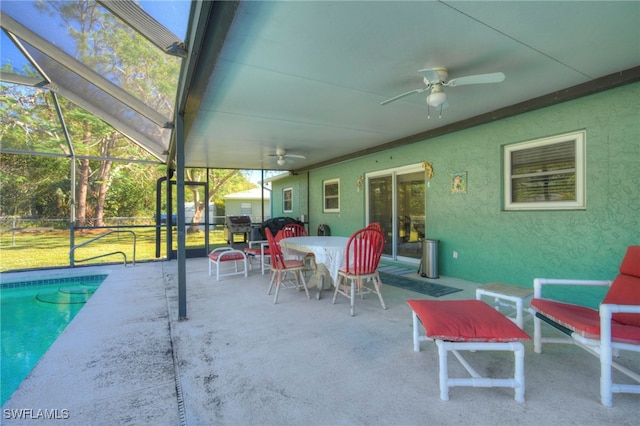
(584, 321)
(465, 321)
(631, 262)
(625, 289)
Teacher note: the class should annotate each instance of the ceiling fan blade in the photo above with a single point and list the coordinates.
(494, 77)
(302, 157)
(395, 98)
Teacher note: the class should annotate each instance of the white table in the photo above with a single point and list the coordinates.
(504, 293)
(329, 252)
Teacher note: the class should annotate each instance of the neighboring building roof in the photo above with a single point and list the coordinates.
(277, 177)
(252, 194)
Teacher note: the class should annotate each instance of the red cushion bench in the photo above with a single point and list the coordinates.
(469, 325)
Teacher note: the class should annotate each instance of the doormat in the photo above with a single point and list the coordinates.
(417, 285)
(396, 270)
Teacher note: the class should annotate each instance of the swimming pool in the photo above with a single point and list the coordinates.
(34, 313)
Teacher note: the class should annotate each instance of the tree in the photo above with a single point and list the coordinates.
(222, 182)
(111, 48)
(31, 185)
(106, 186)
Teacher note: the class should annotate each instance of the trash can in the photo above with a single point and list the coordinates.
(430, 258)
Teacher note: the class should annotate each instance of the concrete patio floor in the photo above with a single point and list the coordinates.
(241, 360)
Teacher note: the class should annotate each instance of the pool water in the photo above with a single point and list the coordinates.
(33, 315)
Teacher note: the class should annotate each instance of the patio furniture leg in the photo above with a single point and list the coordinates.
(416, 332)
(519, 370)
(606, 353)
(537, 334)
(271, 281)
(338, 284)
(476, 380)
(444, 375)
(376, 285)
(300, 279)
(278, 285)
(320, 286)
(353, 298)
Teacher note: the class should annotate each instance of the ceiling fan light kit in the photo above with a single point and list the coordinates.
(437, 96)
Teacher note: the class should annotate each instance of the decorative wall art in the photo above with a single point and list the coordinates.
(459, 183)
(428, 168)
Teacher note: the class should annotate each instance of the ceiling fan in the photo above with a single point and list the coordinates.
(283, 157)
(436, 78)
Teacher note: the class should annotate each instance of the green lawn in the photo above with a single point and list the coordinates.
(44, 248)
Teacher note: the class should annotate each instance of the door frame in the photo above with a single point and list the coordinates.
(394, 172)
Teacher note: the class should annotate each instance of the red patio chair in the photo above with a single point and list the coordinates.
(281, 266)
(298, 230)
(260, 250)
(293, 230)
(615, 326)
(362, 257)
(375, 225)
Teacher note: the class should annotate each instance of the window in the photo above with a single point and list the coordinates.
(287, 200)
(245, 209)
(331, 196)
(545, 174)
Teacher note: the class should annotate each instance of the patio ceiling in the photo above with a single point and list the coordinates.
(309, 77)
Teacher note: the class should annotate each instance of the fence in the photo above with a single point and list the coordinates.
(28, 243)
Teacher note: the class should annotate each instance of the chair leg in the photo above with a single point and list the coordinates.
(376, 285)
(278, 285)
(335, 293)
(211, 265)
(606, 354)
(300, 277)
(353, 297)
(271, 280)
(537, 334)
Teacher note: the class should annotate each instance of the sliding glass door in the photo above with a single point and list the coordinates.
(381, 208)
(396, 200)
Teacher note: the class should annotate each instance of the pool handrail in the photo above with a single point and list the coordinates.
(72, 260)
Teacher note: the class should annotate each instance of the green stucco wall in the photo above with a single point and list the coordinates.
(298, 185)
(513, 247)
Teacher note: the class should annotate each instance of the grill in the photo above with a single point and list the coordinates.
(238, 225)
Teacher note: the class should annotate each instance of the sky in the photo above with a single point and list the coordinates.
(173, 14)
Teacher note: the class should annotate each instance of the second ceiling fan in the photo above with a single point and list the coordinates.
(282, 156)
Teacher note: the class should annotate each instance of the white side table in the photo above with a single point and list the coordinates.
(505, 293)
